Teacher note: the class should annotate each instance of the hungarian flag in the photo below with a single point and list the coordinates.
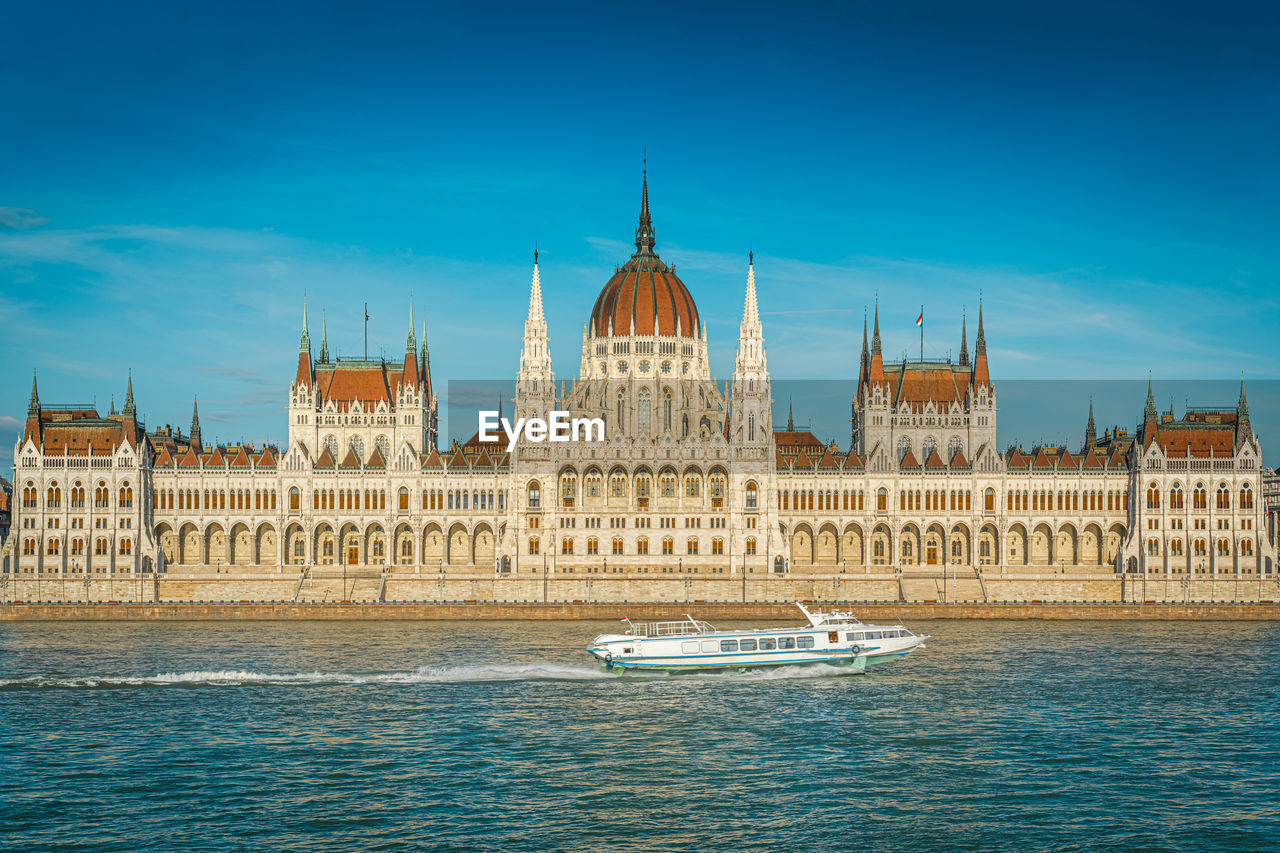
(920, 319)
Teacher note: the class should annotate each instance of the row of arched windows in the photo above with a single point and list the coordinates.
(1200, 497)
(192, 499)
(53, 547)
(76, 496)
(567, 546)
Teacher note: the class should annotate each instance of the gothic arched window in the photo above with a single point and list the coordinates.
(666, 407)
(384, 446)
(357, 445)
(622, 404)
(331, 445)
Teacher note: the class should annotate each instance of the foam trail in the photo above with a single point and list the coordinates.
(234, 678)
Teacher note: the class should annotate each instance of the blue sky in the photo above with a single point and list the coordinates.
(173, 179)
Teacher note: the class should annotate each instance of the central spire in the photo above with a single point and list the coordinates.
(644, 231)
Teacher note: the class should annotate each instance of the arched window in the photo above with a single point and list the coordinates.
(622, 409)
(357, 447)
(617, 546)
(954, 446)
(667, 484)
(404, 498)
(331, 445)
(904, 447)
(751, 427)
(882, 500)
(1246, 497)
(692, 486)
(384, 446)
(666, 409)
(642, 546)
(534, 495)
(1175, 497)
(989, 500)
(1153, 496)
(717, 489)
(568, 488)
(751, 546)
(1200, 497)
(684, 426)
(295, 498)
(1224, 497)
(752, 495)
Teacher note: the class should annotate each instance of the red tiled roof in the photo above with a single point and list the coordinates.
(326, 460)
(802, 460)
(433, 461)
(909, 460)
(958, 460)
(376, 460)
(80, 439)
(164, 460)
(644, 297)
(934, 460)
(1091, 460)
(241, 459)
(189, 459)
(350, 460)
(457, 460)
(922, 385)
(1201, 441)
(268, 458)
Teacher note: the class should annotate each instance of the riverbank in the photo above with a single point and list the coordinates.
(466, 611)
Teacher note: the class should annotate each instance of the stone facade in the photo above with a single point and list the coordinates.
(692, 486)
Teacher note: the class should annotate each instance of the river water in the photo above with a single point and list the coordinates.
(503, 736)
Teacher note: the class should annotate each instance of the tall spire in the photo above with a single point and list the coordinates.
(535, 358)
(644, 230)
(304, 342)
(195, 423)
(324, 337)
(981, 375)
(32, 430)
(791, 422)
(875, 336)
(410, 345)
(1150, 415)
(1090, 431)
(750, 364)
(33, 405)
(129, 410)
(964, 341)
(1243, 429)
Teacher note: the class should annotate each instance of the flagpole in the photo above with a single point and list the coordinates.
(366, 331)
(922, 332)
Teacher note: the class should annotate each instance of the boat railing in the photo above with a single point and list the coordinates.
(666, 629)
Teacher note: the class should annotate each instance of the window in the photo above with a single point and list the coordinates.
(1224, 497)
(295, 498)
(666, 400)
(404, 499)
(593, 546)
(535, 495)
(768, 644)
(566, 546)
(751, 546)
(710, 646)
(747, 645)
(752, 496)
(668, 546)
(717, 546)
(535, 546)
(691, 546)
(804, 642)
(1175, 497)
(689, 647)
(989, 500)
(728, 645)
(643, 414)
(1246, 497)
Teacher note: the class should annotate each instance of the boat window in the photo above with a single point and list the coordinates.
(709, 645)
(747, 645)
(768, 644)
(805, 642)
(833, 637)
(689, 647)
(854, 636)
(786, 642)
(875, 635)
(728, 645)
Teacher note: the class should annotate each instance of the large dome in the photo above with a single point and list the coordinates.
(644, 297)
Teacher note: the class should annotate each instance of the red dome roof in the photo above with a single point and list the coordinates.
(644, 297)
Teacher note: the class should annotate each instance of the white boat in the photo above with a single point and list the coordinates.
(834, 638)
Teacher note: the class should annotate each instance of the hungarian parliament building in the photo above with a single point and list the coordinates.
(693, 477)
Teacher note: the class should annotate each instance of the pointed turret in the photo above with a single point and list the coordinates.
(410, 374)
(981, 375)
(324, 339)
(304, 374)
(876, 371)
(129, 415)
(32, 430)
(130, 411)
(535, 358)
(1090, 431)
(644, 230)
(791, 421)
(1243, 428)
(750, 364)
(964, 342)
(113, 411)
(1150, 414)
(195, 424)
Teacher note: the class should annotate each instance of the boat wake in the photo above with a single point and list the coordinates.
(235, 678)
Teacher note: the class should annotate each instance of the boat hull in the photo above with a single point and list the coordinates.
(845, 660)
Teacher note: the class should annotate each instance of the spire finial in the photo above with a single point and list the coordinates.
(34, 404)
(129, 409)
(644, 230)
(324, 336)
(535, 253)
(1243, 406)
(1150, 413)
(875, 337)
(964, 338)
(791, 423)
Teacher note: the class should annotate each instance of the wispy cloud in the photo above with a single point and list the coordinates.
(19, 218)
